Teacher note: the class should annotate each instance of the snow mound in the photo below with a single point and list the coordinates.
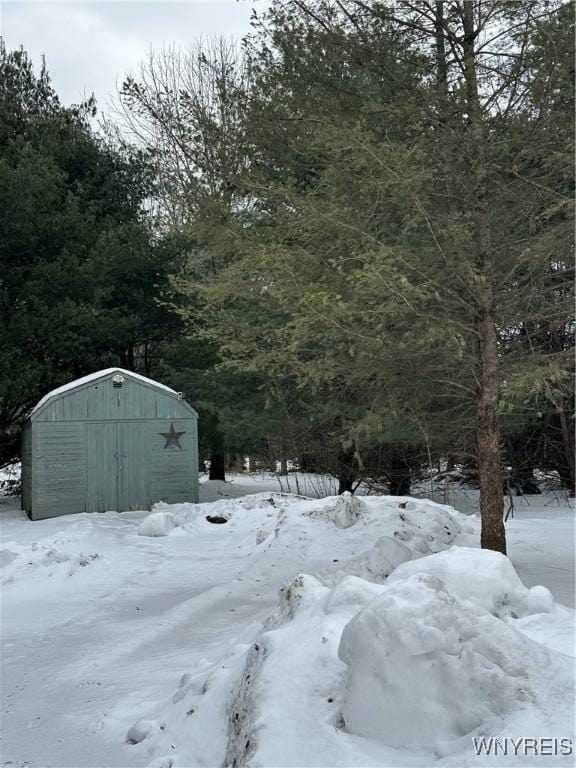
(427, 527)
(482, 578)
(351, 595)
(288, 684)
(362, 670)
(157, 524)
(379, 562)
(346, 511)
(398, 528)
(265, 500)
(424, 670)
(188, 516)
(401, 531)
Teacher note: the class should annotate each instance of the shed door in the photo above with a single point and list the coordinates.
(133, 466)
(118, 464)
(102, 469)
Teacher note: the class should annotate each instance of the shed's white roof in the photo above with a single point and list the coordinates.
(94, 377)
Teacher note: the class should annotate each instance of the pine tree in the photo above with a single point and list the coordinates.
(80, 267)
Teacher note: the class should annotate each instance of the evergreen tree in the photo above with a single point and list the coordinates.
(378, 208)
(80, 266)
(392, 235)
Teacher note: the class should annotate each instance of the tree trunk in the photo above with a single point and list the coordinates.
(346, 473)
(217, 469)
(345, 484)
(283, 457)
(523, 481)
(399, 476)
(568, 440)
(147, 362)
(493, 534)
(130, 362)
(234, 462)
(440, 46)
(400, 484)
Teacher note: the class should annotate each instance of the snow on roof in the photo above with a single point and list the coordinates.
(95, 377)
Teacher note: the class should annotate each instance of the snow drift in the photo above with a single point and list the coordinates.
(157, 524)
(425, 669)
(481, 578)
(361, 672)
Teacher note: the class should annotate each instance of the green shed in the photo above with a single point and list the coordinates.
(113, 440)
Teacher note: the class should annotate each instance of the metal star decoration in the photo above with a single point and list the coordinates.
(172, 437)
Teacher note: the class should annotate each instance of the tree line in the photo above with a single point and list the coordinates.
(348, 240)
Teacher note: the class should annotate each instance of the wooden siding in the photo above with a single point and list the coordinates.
(102, 401)
(27, 467)
(59, 466)
(173, 470)
(110, 465)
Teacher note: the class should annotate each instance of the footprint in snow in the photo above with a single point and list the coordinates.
(142, 729)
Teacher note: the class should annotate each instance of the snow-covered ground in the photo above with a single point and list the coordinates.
(300, 632)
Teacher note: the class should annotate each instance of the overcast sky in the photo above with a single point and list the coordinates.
(89, 45)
